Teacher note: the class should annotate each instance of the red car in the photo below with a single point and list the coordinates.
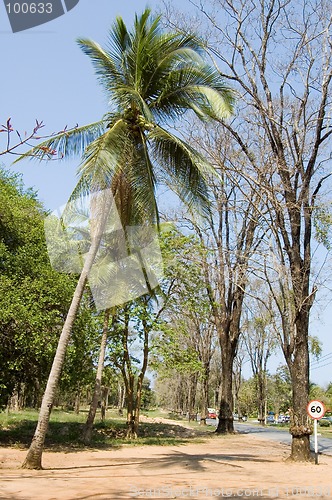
(211, 413)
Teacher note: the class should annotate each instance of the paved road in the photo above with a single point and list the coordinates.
(277, 434)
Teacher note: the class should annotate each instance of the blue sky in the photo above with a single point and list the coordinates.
(46, 76)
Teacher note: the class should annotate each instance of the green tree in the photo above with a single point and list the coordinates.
(188, 335)
(247, 398)
(34, 298)
(99, 372)
(150, 77)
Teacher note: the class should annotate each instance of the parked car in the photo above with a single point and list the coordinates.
(270, 419)
(211, 413)
(325, 421)
(283, 419)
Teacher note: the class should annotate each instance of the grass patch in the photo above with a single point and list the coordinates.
(325, 431)
(66, 430)
(156, 413)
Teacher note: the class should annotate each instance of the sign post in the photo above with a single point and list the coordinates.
(316, 410)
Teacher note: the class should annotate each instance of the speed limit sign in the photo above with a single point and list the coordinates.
(316, 409)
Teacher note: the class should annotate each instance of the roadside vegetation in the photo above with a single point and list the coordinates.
(66, 430)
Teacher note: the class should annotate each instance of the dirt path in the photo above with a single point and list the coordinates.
(239, 466)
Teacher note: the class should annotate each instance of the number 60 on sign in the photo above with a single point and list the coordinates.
(316, 409)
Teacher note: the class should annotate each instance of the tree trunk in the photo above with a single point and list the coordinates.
(100, 207)
(205, 395)
(193, 382)
(225, 424)
(34, 457)
(137, 406)
(137, 409)
(121, 397)
(260, 387)
(87, 433)
(36, 402)
(77, 401)
(105, 396)
(131, 432)
(299, 369)
(103, 410)
(131, 427)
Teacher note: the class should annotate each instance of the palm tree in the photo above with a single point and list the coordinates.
(150, 77)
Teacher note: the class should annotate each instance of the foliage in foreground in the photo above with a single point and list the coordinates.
(34, 299)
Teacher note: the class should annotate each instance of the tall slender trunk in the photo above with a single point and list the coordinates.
(77, 400)
(261, 396)
(131, 432)
(33, 459)
(137, 408)
(205, 394)
(128, 378)
(100, 208)
(193, 382)
(87, 433)
(121, 397)
(141, 377)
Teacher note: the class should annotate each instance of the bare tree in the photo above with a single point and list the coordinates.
(230, 236)
(240, 359)
(278, 56)
(260, 340)
(188, 315)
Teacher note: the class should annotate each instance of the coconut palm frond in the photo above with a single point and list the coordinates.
(102, 159)
(107, 71)
(163, 66)
(182, 167)
(195, 87)
(143, 179)
(66, 143)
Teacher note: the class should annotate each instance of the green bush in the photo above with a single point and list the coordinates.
(324, 423)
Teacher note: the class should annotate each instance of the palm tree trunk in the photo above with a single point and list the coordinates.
(34, 456)
(100, 208)
(96, 393)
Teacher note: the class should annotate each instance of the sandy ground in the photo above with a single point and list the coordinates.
(239, 466)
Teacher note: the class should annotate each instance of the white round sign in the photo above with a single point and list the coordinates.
(316, 409)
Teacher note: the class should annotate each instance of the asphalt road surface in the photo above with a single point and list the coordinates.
(277, 434)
